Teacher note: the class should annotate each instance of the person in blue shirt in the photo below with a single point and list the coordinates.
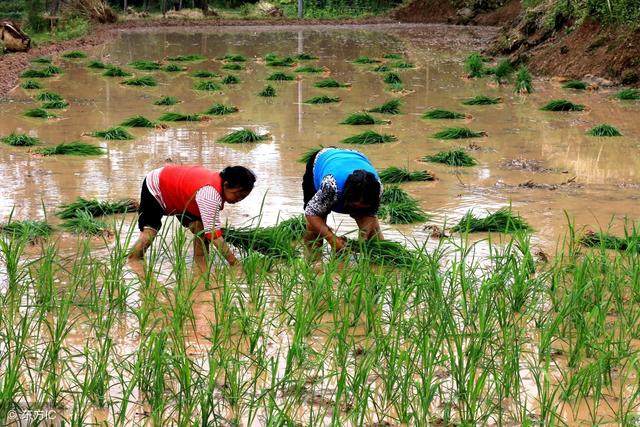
(342, 181)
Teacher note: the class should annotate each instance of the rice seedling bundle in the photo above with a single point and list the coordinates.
(166, 100)
(394, 194)
(457, 133)
(524, 81)
(442, 114)
(502, 221)
(72, 149)
(396, 87)
(85, 225)
(207, 85)
(365, 60)
(39, 113)
(52, 105)
(392, 78)
(604, 130)
(233, 67)
(275, 241)
(138, 122)
(407, 212)
(28, 229)
(95, 207)
(474, 65)
(31, 84)
(268, 91)
(113, 134)
(392, 56)
(277, 61)
(322, 100)
(52, 69)
(230, 80)
(369, 137)
(186, 58)
(242, 136)
(49, 96)
(628, 95)
(42, 60)
(562, 105)
(233, 57)
(20, 140)
(115, 72)
(384, 252)
(389, 107)
(452, 158)
(309, 69)
(609, 241)
(361, 119)
(141, 81)
(482, 100)
(74, 54)
(575, 84)
(97, 65)
(304, 56)
(403, 65)
(219, 109)
(396, 175)
(309, 154)
(382, 68)
(31, 73)
(173, 68)
(179, 117)
(202, 74)
(145, 65)
(501, 71)
(329, 83)
(280, 76)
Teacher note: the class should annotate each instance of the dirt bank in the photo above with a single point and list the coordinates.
(438, 11)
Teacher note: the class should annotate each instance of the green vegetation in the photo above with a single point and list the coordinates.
(392, 56)
(58, 104)
(39, 113)
(145, 65)
(389, 107)
(202, 74)
(141, 81)
(41, 60)
(329, 83)
(365, 60)
(397, 207)
(42, 73)
(166, 100)
(309, 69)
(31, 84)
(74, 54)
(207, 85)
(631, 242)
(233, 57)
(369, 137)
(242, 136)
(501, 71)
(113, 71)
(86, 225)
(628, 95)
(49, 96)
(219, 109)
(233, 67)
(396, 175)
(305, 56)
(575, 84)
(524, 81)
(114, 133)
(322, 100)
(174, 68)
(451, 158)
(442, 114)
(275, 241)
(309, 154)
(482, 100)
(268, 91)
(361, 119)
(474, 65)
(383, 252)
(403, 65)
(186, 58)
(72, 149)
(279, 61)
(604, 130)
(501, 221)
(457, 133)
(384, 68)
(20, 140)
(138, 122)
(97, 65)
(562, 105)
(179, 117)
(29, 230)
(95, 207)
(280, 76)
(230, 79)
(392, 78)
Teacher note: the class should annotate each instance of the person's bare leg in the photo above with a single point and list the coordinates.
(369, 227)
(139, 248)
(312, 243)
(200, 247)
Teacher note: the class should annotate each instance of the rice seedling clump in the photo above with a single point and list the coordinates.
(95, 207)
(604, 130)
(383, 252)
(442, 114)
(482, 100)
(141, 81)
(365, 60)
(20, 140)
(52, 105)
(186, 58)
(74, 54)
(628, 95)
(31, 73)
(207, 85)
(452, 158)
(403, 65)
(39, 113)
(179, 117)
(501, 71)
(242, 136)
(322, 100)
(219, 109)
(389, 107)
(457, 133)
(230, 80)
(309, 154)
(138, 122)
(52, 70)
(524, 81)
(145, 65)
(173, 68)
(382, 68)
(233, 67)
(609, 241)
(115, 72)
(304, 56)
(502, 221)
(396, 175)
(268, 91)
(329, 83)
(369, 137)
(575, 84)
(280, 76)
(202, 74)
(96, 65)
(361, 119)
(166, 100)
(42, 60)
(72, 149)
(474, 65)
(114, 133)
(562, 105)
(392, 56)
(29, 230)
(277, 61)
(398, 207)
(392, 78)
(233, 57)
(275, 241)
(31, 84)
(309, 69)
(86, 225)
(49, 96)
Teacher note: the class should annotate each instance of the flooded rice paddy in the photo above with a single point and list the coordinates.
(490, 343)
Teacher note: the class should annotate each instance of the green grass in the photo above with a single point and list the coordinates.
(604, 130)
(39, 113)
(74, 54)
(242, 136)
(309, 69)
(562, 105)
(389, 107)
(482, 100)
(383, 252)
(609, 241)
(141, 81)
(138, 122)
(186, 58)
(451, 158)
(304, 56)
(219, 109)
(575, 84)
(31, 84)
(396, 175)
(457, 133)
(268, 91)
(234, 57)
(144, 65)
(116, 72)
(203, 74)
(323, 99)
(524, 81)
(166, 100)
(52, 105)
(329, 83)
(398, 207)
(114, 133)
(97, 65)
(439, 113)
(275, 241)
(230, 79)
(72, 149)
(179, 117)
(392, 78)
(369, 137)
(365, 60)
(174, 68)
(280, 76)
(501, 221)
(85, 225)
(207, 85)
(95, 207)
(233, 67)
(31, 230)
(361, 119)
(474, 65)
(280, 61)
(20, 140)
(49, 96)
(628, 95)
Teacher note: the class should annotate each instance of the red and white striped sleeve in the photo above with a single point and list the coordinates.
(210, 204)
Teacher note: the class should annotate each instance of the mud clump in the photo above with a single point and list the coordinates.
(525, 165)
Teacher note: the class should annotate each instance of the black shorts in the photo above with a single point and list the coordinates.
(150, 212)
(308, 188)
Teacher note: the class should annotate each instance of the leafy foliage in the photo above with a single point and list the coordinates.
(452, 158)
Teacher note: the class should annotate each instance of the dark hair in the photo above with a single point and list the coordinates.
(238, 177)
(362, 186)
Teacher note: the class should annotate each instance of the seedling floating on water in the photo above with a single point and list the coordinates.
(389, 107)
(628, 95)
(268, 91)
(442, 114)
(365, 60)
(20, 140)
(383, 252)
(277, 61)
(74, 54)
(242, 136)
(179, 117)
(72, 149)
(392, 78)
(96, 65)
(96, 207)
(524, 81)
(138, 122)
(167, 100)
(39, 113)
(185, 58)
(369, 137)
(58, 104)
(452, 158)
(361, 119)
(207, 85)
(145, 65)
(329, 83)
(482, 100)
(203, 74)
(305, 56)
(309, 69)
(280, 76)
(86, 225)
(474, 65)
(458, 133)
(114, 133)
(233, 67)
(115, 72)
(29, 229)
(562, 105)
(396, 175)
(173, 68)
(609, 241)
(221, 109)
(49, 96)
(141, 81)
(502, 221)
(604, 130)
(31, 84)
(322, 100)
(575, 84)
(230, 80)
(233, 57)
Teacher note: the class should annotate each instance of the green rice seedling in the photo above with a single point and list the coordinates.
(482, 100)
(439, 113)
(166, 100)
(403, 65)
(501, 71)
(219, 109)
(396, 175)
(207, 85)
(474, 65)
(329, 83)
(52, 69)
(274, 241)
(628, 95)
(52, 105)
(369, 137)
(72, 149)
(268, 91)
(186, 58)
(389, 107)
(202, 74)
(361, 119)
(323, 99)
(608, 241)
(31, 73)
(407, 212)
(395, 87)
(604, 130)
(309, 69)
(20, 140)
(242, 136)
(141, 81)
(96, 207)
(233, 57)
(280, 76)
(524, 81)
(392, 78)
(84, 224)
(39, 113)
(233, 67)
(42, 60)
(97, 65)
(575, 84)
(309, 154)
(113, 71)
(365, 60)
(230, 79)
(114, 133)
(179, 117)
(562, 105)
(138, 122)
(277, 61)
(392, 56)
(144, 65)
(458, 133)
(74, 54)
(174, 68)
(452, 158)
(49, 96)
(384, 252)
(384, 68)
(30, 230)
(502, 221)
(31, 84)
(394, 194)
(304, 56)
